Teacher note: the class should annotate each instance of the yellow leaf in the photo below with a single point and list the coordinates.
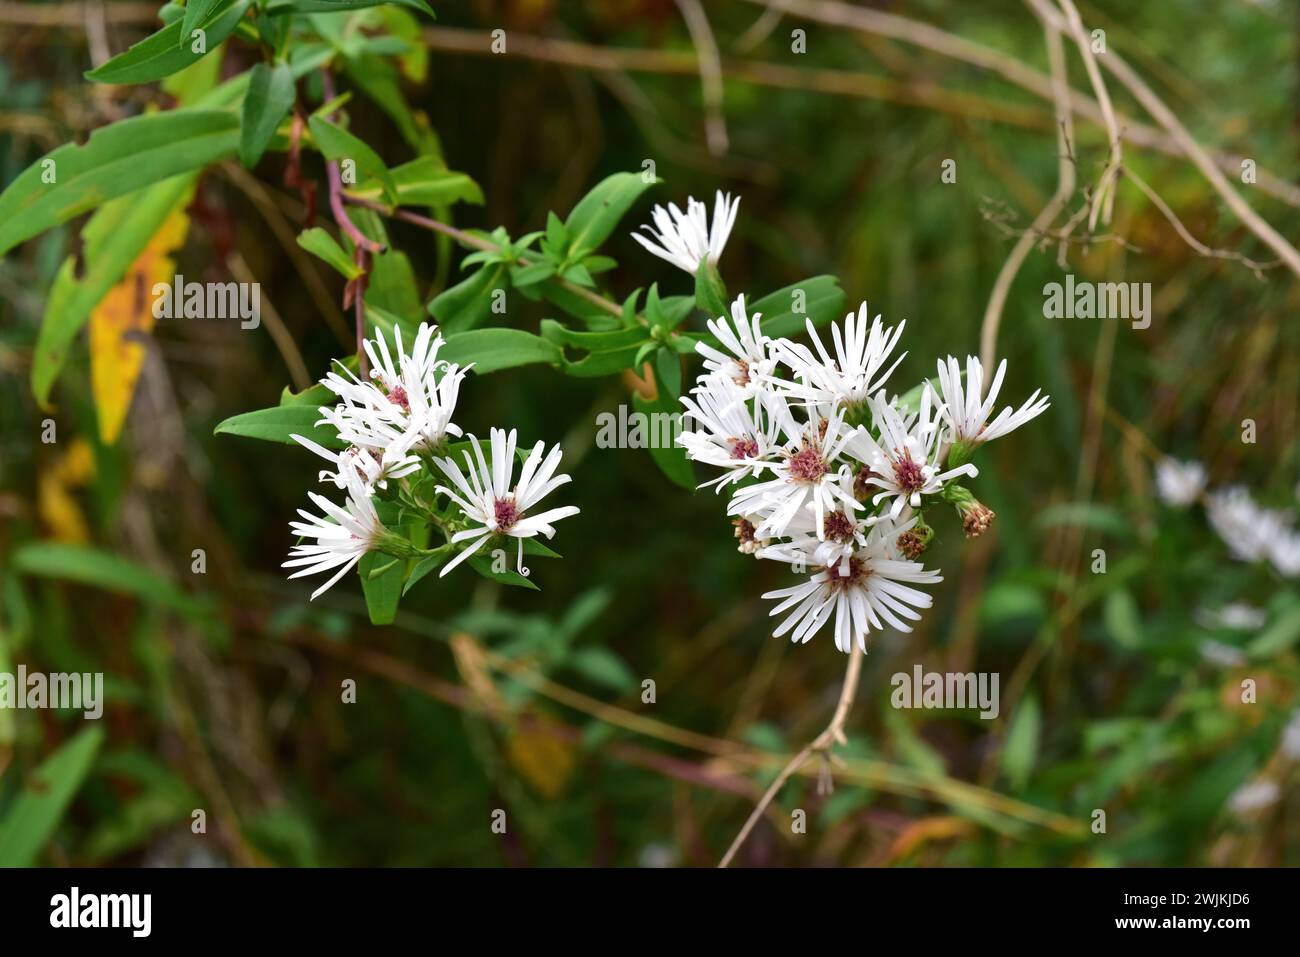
(55, 502)
(542, 757)
(123, 316)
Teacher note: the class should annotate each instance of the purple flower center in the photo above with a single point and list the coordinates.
(744, 449)
(807, 465)
(505, 513)
(908, 474)
(839, 527)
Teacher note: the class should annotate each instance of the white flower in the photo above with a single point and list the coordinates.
(416, 393)
(1249, 530)
(485, 495)
(1226, 656)
(967, 416)
(1291, 737)
(687, 239)
(856, 371)
(1179, 483)
(805, 475)
(1237, 615)
(1254, 796)
(749, 364)
(1284, 553)
(872, 593)
(843, 534)
(739, 435)
(375, 463)
(342, 537)
(903, 461)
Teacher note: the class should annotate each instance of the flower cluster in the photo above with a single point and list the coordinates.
(829, 474)
(395, 433)
(1251, 532)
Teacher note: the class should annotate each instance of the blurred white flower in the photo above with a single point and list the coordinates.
(1246, 528)
(874, 591)
(1284, 553)
(1236, 615)
(1226, 656)
(687, 239)
(967, 415)
(853, 374)
(1291, 737)
(484, 493)
(342, 536)
(1254, 796)
(1179, 483)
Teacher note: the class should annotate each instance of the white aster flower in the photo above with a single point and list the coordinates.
(1248, 529)
(486, 497)
(843, 535)
(687, 239)
(967, 415)
(903, 461)
(1237, 616)
(375, 463)
(739, 435)
(1179, 483)
(1254, 796)
(1284, 553)
(1217, 653)
(853, 374)
(805, 474)
(749, 362)
(342, 536)
(873, 593)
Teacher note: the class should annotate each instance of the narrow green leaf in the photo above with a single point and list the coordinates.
(1021, 747)
(340, 146)
(111, 241)
(172, 48)
(425, 181)
(469, 303)
(383, 589)
(268, 101)
(337, 6)
(494, 349)
(597, 213)
(278, 423)
(820, 299)
(196, 11)
(89, 566)
(321, 244)
(671, 459)
(45, 796)
(116, 160)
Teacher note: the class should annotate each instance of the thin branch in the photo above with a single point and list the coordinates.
(706, 51)
(822, 744)
(1197, 246)
(1065, 176)
(1104, 197)
(274, 325)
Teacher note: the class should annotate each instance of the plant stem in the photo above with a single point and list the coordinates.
(833, 734)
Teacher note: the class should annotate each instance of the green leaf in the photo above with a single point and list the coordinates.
(171, 49)
(111, 241)
(521, 276)
(423, 567)
(336, 6)
(607, 352)
(338, 145)
(196, 11)
(482, 563)
(117, 159)
(322, 245)
(597, 213)
(268, 101)
(383, 590)
(823, 301)
(468, 303)
(1277, 637)
(668, 369)
(89, 566)
(278, 423)
(1021, 747)
(672, 460)
(494, 349)
(603, 667)
(45, 796)
(425, 181)
(710, 293)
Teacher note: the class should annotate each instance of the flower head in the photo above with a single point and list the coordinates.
(1179, 483)
(495, 508)
(967, 415)
(746, 361)
(342, 535)
(853, 374)
(687, 239)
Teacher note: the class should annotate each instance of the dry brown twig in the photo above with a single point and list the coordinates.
(706, 50)
(820, 745)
